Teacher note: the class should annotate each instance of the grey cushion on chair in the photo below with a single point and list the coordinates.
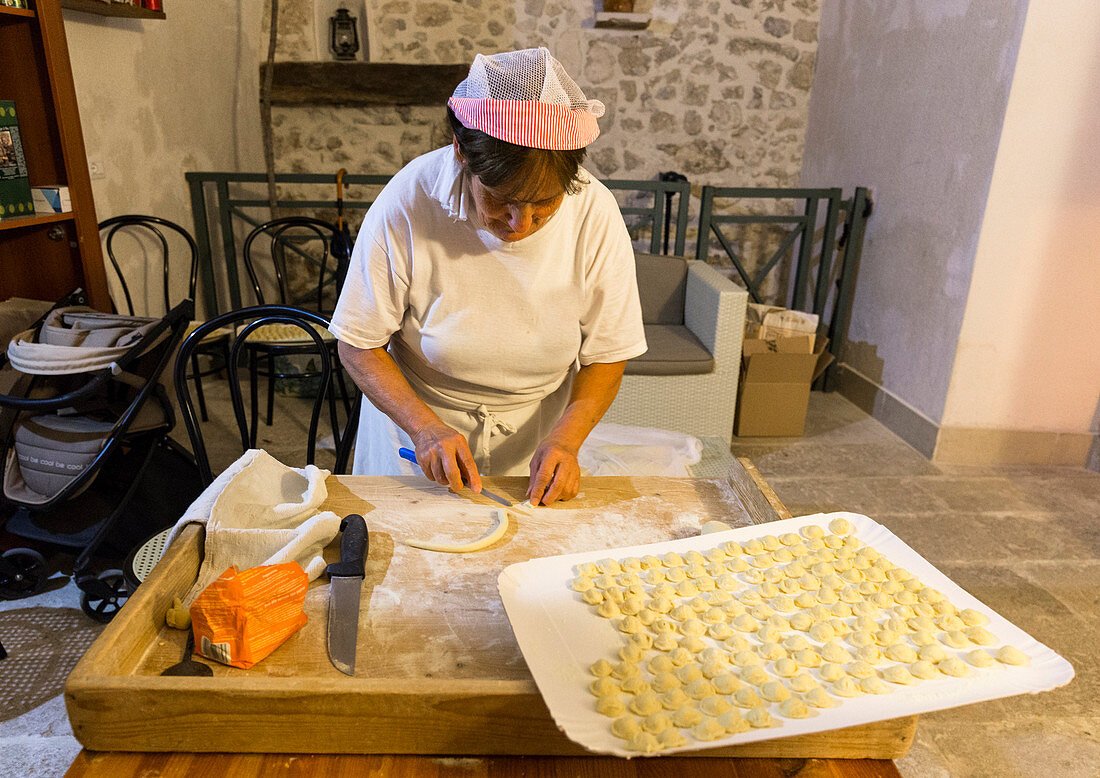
(673, 350)
(661, 285)
(700, 405)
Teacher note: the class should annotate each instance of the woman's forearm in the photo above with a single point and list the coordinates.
(555, 472)
(594, 388)
(380, 379)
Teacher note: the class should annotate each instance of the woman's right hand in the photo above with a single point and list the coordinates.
(445, 457)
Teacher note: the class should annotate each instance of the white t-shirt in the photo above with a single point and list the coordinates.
(474, 321)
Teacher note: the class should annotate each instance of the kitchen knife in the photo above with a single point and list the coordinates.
(410, 455)
(345, 582)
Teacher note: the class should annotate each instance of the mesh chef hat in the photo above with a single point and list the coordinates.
(526, 98)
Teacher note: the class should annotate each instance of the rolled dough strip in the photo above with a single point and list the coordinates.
(496, 533)
(714, 526)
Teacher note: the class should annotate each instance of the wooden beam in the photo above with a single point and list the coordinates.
(89, 764)
(363, 83)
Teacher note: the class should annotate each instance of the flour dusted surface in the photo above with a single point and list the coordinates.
(427, 614)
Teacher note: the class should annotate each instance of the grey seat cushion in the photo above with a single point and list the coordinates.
(673, 350)
(661, 285)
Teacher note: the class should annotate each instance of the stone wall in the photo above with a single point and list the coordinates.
(714, 89)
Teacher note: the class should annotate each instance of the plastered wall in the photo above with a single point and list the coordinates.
(908, 100)
(1028, 353)
(159, 98)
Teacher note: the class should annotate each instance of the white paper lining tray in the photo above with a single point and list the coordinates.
(561, 636)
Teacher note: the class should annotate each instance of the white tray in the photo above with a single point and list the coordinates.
(560, 636)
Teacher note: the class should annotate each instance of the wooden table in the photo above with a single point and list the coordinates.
(759, 504)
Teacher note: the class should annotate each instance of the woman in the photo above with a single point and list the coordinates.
(491, 302)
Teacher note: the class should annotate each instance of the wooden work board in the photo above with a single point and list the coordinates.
(438, 670)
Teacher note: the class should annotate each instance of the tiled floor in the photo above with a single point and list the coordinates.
(1024, 540)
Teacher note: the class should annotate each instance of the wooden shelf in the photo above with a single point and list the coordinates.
(111, 9)
(5, 11)
(609, 20)
(45, 256)
(36, 220)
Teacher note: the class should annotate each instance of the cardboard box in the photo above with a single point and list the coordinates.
(51, 199)
(774, 390)
(772, 321)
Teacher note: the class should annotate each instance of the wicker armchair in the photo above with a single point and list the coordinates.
(694, 319)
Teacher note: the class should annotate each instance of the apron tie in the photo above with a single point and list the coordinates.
(490, 425)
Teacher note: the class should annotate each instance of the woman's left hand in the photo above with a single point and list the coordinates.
(555, 473)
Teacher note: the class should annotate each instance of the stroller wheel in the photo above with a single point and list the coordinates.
(103, 595)
(22, 573)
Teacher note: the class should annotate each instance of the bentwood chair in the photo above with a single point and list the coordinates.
(306, 273)
(244, 324)
(148, 233)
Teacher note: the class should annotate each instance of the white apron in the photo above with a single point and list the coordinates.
(500, 437)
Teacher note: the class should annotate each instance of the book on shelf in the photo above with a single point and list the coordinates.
(14, 3)
(15, 189)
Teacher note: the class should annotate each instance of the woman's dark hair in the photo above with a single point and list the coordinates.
(515, 169)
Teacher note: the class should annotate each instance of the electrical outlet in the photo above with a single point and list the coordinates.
(95, 169)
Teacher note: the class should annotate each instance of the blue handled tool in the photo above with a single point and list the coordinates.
(410, 455)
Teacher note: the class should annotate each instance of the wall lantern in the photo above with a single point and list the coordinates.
(344, 38)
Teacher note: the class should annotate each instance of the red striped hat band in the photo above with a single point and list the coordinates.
(527, 123)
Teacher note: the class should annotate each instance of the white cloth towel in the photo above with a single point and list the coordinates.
(260, 512)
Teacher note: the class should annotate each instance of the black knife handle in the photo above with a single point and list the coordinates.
(353, 548)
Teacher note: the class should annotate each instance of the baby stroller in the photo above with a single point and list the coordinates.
(81, 414)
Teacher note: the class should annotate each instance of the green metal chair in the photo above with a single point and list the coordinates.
(816, 284)
(671, 194)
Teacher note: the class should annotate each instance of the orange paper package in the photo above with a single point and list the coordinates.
(245, 615)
